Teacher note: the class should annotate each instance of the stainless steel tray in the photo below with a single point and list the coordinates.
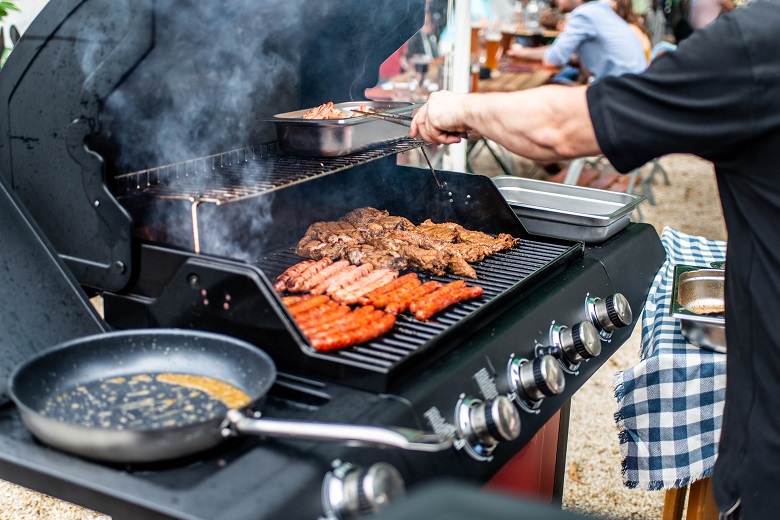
(337, 137)
(698, 300)
(565, 211)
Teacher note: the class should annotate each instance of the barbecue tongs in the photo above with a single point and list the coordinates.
(406, 121)
(398, 119)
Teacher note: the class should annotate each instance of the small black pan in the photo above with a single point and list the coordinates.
(101, 397)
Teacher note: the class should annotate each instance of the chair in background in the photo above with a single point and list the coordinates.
(498, 153)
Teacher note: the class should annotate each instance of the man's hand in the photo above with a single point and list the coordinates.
(442, 120)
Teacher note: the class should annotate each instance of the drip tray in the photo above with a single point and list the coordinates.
(565, 211)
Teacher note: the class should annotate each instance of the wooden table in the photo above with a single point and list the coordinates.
(515, 30)
(512, 81)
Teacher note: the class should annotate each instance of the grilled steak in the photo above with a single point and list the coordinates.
(369, 235)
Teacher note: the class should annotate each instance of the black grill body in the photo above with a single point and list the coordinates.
(268, 479)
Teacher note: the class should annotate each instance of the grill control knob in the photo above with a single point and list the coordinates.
(537, 379)
(351, 491)
(495, 420)
(612, 312)
(580, 342)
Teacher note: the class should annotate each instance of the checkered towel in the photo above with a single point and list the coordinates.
(670, 405)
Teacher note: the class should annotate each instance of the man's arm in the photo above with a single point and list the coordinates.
(528, 53)
(543, 124)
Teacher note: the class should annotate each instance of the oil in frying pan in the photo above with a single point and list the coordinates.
(145, 401)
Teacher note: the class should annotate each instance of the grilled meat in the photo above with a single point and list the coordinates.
(328, 111)
(438, 300)
(344, 279)
(307, 284)
(380, 296)
(403, 301)
(362, 286)
(299, 282)
(281, 281)
(360, 331)
(369, 235)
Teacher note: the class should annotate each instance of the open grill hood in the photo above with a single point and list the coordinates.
(97, 88)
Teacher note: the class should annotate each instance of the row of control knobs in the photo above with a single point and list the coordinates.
(543, 376)
(351, 491)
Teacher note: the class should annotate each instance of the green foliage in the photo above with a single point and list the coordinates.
(6, 7)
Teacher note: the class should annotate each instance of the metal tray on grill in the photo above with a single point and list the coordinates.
(565, 211)
(337, 137)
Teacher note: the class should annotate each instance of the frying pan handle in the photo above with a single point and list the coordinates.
(352, 434)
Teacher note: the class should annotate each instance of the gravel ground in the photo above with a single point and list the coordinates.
(593, 482)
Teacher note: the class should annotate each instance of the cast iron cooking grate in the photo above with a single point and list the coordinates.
(246, 172)
(502, 275)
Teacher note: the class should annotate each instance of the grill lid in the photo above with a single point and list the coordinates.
(150, 82)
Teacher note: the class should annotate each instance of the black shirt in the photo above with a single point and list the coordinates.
(718, 96)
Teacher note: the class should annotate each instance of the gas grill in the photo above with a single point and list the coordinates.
(173, 231)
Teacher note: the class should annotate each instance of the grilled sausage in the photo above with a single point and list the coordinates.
(307, 304)
(296, 282)
(433, 304)
(365, 332)
(291, 300)
(388, 288)
(351, 293)
(281, 281)
(328, 272)
(325, 326)
(396, 296)
(322, 314)
(313, 312)
(343, 279)
(399, 306)
(439, 294)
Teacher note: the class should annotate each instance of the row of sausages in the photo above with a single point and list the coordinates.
(324, 292)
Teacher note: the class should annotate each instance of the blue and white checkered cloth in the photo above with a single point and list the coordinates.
(670, 405)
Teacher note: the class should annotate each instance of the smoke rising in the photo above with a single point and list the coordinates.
(215, 70)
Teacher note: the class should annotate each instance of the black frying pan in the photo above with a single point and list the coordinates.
(101, 397)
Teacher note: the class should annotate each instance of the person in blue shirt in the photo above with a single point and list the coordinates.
(594, 33)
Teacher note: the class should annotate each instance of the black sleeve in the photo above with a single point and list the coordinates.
(704, 98)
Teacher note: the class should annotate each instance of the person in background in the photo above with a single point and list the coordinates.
(715, 97)
(625, 10)
(597, 35)
(655, 23)
(704, 12)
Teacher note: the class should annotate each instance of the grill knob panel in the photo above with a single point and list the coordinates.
(537, 379)
(613, 312)
(352, 492)
(495, 420)
(580, 342)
